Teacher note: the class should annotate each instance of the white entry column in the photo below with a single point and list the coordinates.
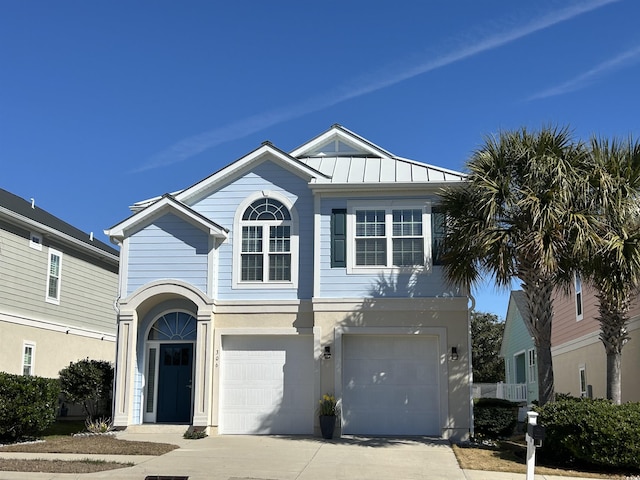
(125, 368)
(203, 375)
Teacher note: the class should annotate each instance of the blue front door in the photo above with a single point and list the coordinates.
(175, 379)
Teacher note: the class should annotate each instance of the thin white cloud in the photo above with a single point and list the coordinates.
(196, 144)
(585, 79)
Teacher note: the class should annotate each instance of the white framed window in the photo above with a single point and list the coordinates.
(531, 364)
(582, 376)
(35, 240)
(578, 291)
(266, 242)
(28, 358)
(388, 235)
(54, 276)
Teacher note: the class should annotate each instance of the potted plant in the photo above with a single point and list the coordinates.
(328, 411)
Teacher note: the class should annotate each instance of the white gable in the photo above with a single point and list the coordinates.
(346, 158)
(166, 204)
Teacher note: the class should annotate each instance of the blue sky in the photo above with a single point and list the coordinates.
(105, 103)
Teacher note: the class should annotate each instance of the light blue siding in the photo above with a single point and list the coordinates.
(168, 248)
(517, 340)
(336, 283)
(221, 205)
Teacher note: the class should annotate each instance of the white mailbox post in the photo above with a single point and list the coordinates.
(534, 436)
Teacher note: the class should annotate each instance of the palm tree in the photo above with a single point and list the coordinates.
(614, 268)
(521, 215)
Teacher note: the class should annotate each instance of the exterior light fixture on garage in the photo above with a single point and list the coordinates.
(454, 353)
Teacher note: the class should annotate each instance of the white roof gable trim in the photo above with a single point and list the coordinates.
(266, 152)
(339, 133)
(166, 204)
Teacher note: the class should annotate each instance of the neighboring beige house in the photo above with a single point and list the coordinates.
(579, 358)
(284, 276)
(58, 286)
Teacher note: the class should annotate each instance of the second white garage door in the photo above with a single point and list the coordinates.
(390, 385)
(266, 384)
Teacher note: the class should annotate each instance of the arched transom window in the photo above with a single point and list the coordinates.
(174, 326)
(266, 242)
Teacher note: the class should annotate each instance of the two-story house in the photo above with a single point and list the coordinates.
(57, 291)
(579, 357)
(283, 276)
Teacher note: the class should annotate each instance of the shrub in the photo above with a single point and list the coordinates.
(89, 383)
(494, 417)
(194, 433)
(27, 405)
(592, 430)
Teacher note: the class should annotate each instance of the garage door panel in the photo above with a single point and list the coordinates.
(266, 384)
(391, 385)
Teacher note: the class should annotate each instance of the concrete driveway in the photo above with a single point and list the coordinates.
(280, 458)
(244, 457)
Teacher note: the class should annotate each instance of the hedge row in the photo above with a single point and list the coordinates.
(494, 417)
(592, 430)
(27, 405)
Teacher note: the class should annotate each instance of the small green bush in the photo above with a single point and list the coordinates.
(195, 433)
(27, 405)
(592, 430)
(494, 417)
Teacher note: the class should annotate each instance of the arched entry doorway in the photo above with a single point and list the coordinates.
(170, 368)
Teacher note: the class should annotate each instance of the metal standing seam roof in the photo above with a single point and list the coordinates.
(367, 170)
(14, 206)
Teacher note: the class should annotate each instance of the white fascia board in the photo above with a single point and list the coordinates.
(346, 135)
(44, 229)
(257, 156)
(163, 206)
(404, 187)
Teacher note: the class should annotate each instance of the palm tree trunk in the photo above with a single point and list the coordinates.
(614, 335)
(539, 301)
(614, 384)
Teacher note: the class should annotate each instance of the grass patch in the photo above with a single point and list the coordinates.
(96, 444)
(510, 456)
(59, 466)
(58, 439)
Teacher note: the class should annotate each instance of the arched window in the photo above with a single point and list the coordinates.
(266, 242)
(174, 326)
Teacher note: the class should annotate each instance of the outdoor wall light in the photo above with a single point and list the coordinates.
(454, 353)
(327, 352)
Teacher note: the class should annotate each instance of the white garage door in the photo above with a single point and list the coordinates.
(266, 384)
(391, 385)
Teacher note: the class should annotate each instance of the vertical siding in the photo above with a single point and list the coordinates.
(336, 283)
(88, 288)
(168, 248)
(221, 205)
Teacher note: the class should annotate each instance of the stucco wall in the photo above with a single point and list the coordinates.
(589, 352)
(54, 350)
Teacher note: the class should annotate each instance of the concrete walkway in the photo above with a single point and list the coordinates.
(282, 458)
